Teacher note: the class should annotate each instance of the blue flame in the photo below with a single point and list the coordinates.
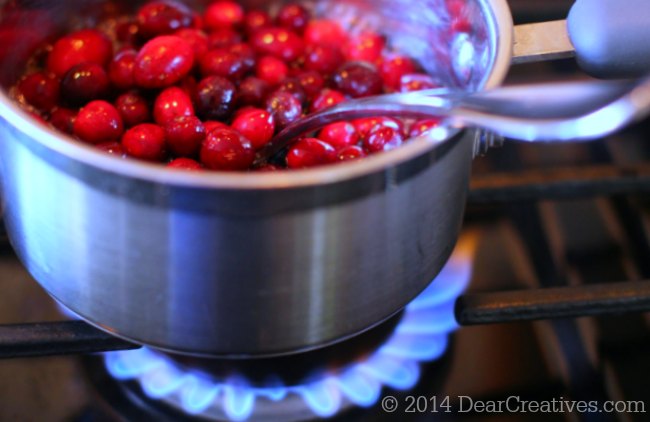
(421, 336)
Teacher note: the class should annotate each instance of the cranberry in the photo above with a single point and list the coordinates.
(324, 59)
(215, 98)
(294, 17)
(271, 70)
(120, 71)
(311, 82)
(325, 31)
(365, 47)
(185, 135)
(351, 153)
(63, 119)
(365, 126)
(284, 107)
(127, 32)
(339, 135)
(266, 168)
(185, 164)
(393, 68)
(40, 90)
(211, 125)
(226, 149)
(163, 61)
(196, 38)
(246, 52)
(417, 82)
(358, 79)
(293, 87)
(84, 82)
(326, 99)
(222, 14)
(222, 62)
(163, 17)
(170, 104)
(382, 139)
(421, 127)
(98, 122)
(145, 142)
(252, 91)
(256, 125)
(310, 152)
(87, 45)
(278, 42)
(113, 148)
(255, 20)
(133, 108)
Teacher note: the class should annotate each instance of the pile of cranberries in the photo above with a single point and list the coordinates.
(205, 91)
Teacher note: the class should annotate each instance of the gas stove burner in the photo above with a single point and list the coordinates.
(421, 335)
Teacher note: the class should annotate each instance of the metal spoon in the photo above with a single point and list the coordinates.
(564, 111)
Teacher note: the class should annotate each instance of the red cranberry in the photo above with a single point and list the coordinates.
(417, 82)
(133, 108)
(358, 79)
(222, 62)
(325, 31)
(98, 122)
(293, 87)
(423, 126)
(326, 99)
(215, 98)
(312, 83)
(127, 32)
(226, 149)
(339, 135)
(365, 126)
(222, 14)
(271, 70)
(252, 91)
(120, 71)
(256, 125)
(382, 139)
(87, 45)
(284, 107)
(185, 135)
(163, 17)
(365, 47)
(246, 52)
(113, 148)
(393, 68)
(197, 39)
(84, 82)
(145, 142)
(294, 17)
(224, 37)
(163, 61)
(255, 20)
(40, 90)
(63, 119)
(324, 59)
(278, 42)
(185, 164)
(170, 104)
(310, 152)
(211, 125)
(351, 153)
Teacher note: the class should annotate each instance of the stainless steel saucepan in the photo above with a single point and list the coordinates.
(238, 265)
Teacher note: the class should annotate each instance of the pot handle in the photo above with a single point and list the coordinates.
(609, 38)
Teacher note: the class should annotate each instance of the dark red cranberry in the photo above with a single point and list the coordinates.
(365, 126)
(224, 37)
(197, 39)
(323, 59)
(393, 68)
(163, 17)
(211, 125)
(87, 45)
(294, 17)
(417, 82)
(172, 103)
(351, 153)
(246, 52)
(222, 62)
(312, 82)
(365, 47)
(382, 139)
(223, 14)
(255, 20)
(120, 71)
(63, 119)
(284, 107)
(256, 125)
(227, 149)
(358, 79)
(128, 32)
(325, 31)
(326, 99)
(423, 126)
(145, 142)
(185, 135)
(279, 42)
(113, 148)
(84, 82)
(215, 98)
(185, 164)
(293, 87)
(163, 61)
(339, 135)
(98, 122)
(271, 70)
(310, 152)
(40, 90)
(133, 108)
(252, 92)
